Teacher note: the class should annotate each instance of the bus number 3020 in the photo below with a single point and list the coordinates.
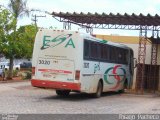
(44, 62)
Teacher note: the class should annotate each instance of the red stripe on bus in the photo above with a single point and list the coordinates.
(56, 71)
(56, 84)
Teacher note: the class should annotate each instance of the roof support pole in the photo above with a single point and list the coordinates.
(140, 76)
(66, 25)
(153, 71)
(89, 30)
(154, 54)
(155, 35)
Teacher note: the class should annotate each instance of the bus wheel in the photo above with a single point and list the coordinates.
(121, 91)
(62, 92)
(99, 90)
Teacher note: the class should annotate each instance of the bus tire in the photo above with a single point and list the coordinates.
(124, 87)
(99, 90)
(17, 68)
(121, 91)
(62, 92)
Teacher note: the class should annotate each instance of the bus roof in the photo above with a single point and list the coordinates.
(89, 37)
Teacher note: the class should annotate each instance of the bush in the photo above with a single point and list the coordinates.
(15, 73)
(6, 73)
(26, 75)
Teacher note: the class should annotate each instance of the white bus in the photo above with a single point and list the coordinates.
(69, 61)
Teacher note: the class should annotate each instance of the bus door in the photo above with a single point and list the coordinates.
(131, 68)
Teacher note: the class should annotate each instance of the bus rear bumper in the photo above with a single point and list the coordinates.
(56, 84)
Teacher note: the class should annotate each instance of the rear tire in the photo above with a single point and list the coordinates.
(17, 68)
(62, 92)
(99, 90)
(121, 91)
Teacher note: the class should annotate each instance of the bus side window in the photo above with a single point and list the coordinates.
(86, 49)
(123, 56)
(126, 57)
(104, 52)
(94, 50)
(119, 55)
(99, 51)
(113, 54)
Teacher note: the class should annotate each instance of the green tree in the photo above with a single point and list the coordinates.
(26, 35)
(7, 25)
(15, 43)
(22, 46)
(18, 9)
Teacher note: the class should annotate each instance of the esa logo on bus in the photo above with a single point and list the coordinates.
(115, 75)
(48, 41)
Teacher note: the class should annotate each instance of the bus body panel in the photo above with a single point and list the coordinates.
(113, 76)
(55, 59)
(59, 55)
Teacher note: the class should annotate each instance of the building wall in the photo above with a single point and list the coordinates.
(132, 42)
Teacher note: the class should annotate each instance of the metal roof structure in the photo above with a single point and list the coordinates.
(110, 21)
(154, 40)
(140, 22)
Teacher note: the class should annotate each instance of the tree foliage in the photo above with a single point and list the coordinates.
(15, 43)
(18, 7)
(7, 26)
(26, 35)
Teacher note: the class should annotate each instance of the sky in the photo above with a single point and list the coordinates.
(108, 6)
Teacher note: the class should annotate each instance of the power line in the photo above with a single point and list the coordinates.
(35, 18)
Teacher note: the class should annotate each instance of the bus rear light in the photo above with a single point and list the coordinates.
(33, 70)
(77, 75)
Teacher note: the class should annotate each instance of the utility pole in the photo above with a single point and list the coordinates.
(35, 18)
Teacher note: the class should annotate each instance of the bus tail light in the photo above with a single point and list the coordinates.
(33, 70)
(77, 76)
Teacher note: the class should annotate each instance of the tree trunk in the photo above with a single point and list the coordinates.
(10, 72)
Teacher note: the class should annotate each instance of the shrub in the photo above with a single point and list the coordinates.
(6, 73)
(26, 75)
(15, 73)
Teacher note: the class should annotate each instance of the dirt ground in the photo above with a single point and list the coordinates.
(11, 80)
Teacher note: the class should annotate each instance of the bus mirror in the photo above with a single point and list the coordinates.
(135, 62)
